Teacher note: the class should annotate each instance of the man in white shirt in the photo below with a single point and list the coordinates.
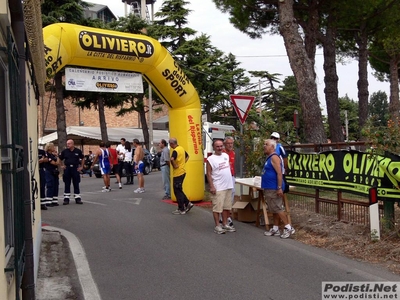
(121, 154)
(220, 182)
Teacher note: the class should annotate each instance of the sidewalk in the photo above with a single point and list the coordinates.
(64, 272)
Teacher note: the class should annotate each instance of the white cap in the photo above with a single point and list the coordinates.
(275, 135)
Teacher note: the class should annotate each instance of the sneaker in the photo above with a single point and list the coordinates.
(139, 190)
(179, 212)
(66, 201)
(104, 187)
(120, 185)
(219, 230)
(106, 190)
(228, 228)
(272, 232)
(287, 232)
(189, 207)
(166, 197)
(230, 222)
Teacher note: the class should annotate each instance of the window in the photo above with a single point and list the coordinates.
(6, 175)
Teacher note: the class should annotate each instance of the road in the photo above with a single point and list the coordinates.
(138, 250)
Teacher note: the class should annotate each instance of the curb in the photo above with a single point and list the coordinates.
(89, 287)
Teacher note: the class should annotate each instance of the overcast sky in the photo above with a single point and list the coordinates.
(266, 54)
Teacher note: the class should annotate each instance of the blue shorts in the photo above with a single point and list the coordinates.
(140, 169)
(105, 170)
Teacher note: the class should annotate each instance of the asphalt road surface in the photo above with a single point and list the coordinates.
(137, 249)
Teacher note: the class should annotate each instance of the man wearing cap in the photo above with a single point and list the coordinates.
(280, 150)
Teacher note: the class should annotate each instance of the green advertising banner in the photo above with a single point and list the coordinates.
(346, 170)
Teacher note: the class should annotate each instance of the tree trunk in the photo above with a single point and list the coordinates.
(394, 105)
(145, 128)
(60, 109)
(311, 28)
(362, 83)
(331, 84)
(102, 118)
(304, 73)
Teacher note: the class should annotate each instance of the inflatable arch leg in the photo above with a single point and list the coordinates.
(69, 44)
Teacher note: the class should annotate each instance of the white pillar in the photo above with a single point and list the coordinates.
(374, 222)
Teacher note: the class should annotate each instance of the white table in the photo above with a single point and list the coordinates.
(261, 203)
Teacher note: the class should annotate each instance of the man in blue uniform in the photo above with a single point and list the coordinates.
(42, 178)
(73, 161)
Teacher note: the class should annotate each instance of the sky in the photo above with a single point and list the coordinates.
(266, 54)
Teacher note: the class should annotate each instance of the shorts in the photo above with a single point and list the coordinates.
(140, 169)
(115, 169)
(222, 200)
(274, 202)
(105, 170)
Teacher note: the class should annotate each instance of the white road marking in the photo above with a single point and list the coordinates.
(91, 202)
(135, 201)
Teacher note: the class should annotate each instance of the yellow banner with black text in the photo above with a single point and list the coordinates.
(346, 170)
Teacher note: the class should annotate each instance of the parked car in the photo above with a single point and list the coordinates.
(147, 166)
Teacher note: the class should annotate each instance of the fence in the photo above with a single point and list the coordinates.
(344, 207)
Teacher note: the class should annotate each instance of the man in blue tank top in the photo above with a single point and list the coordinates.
(272, 184)
(104, 158)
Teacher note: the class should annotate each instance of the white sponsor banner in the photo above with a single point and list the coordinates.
(360, 290)
(91, 80)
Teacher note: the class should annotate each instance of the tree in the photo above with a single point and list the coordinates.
(378, 109)
(136, 25)
(349, 105)
(385, 57)
(55, 11)
(170, 24)
(254, 18)
(214, 74)
(361, 21)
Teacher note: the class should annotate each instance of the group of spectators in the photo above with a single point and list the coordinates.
(221, 180)
(124, 157)
(220, 172)
(71, 160)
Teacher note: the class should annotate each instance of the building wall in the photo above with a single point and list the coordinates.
(7, 284)
(33, 168)
(7, 279)
(75, 116)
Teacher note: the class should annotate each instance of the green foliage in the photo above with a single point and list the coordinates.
(349, 105)
(69, 11)
(170, 24)
(383, 138)
(130, 24)
(251, 141)
(379, 109)
(250, 144)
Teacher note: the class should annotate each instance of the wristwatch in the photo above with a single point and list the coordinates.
(279, 187)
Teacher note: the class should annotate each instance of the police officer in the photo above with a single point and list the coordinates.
(73, 161)
(42, 178)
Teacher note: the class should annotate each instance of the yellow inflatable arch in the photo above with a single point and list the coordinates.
(69, 44)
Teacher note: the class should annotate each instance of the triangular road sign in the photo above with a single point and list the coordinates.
(242, 105)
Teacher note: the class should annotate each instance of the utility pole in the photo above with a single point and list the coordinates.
(259, 96)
